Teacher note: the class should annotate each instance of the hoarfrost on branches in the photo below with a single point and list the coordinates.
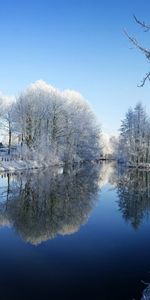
(134, 141)
(52, 125)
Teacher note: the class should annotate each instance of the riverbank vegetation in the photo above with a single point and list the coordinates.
(134, 139)
(48, 125)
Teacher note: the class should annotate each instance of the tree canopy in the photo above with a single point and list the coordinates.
(52, 124)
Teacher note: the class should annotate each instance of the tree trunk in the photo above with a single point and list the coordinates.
(9, 143)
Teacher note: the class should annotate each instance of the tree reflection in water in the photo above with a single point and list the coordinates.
(42, 204)
(133, 188)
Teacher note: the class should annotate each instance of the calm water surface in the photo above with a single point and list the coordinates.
(75, 234)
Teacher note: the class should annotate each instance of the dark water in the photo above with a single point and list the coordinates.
(75, 234)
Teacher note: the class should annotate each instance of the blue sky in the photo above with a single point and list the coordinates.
(76, 44)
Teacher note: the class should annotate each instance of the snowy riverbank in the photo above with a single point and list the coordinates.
(18, 165)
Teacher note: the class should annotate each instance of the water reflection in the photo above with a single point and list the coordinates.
(133, 188)
(43, 204)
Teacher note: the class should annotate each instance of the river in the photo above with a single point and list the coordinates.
(75, 233)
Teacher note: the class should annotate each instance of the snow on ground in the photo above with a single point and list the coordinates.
(19, 165)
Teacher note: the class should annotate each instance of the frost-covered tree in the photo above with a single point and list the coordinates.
(109, 146)
(135, 137)
(7, 118)
(53, 124)
(83, 133)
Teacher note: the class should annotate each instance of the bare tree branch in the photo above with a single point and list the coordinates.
(146, 77)
(143, 24)
(141, 48)
(137, 45)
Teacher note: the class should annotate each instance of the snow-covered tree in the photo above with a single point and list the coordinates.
(7, 118)
(53, 124)
(109, 146)
(135, 137)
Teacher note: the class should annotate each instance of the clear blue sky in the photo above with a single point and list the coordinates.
(76, 44)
